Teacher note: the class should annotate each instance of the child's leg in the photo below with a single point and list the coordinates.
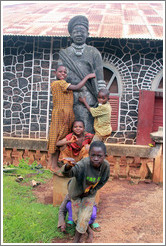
(90, 235)
(77, 237)
(94, 214)
(69, 209)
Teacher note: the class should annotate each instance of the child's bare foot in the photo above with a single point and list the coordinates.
(90, 235)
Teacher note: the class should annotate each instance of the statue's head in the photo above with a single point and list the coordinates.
(78, 28)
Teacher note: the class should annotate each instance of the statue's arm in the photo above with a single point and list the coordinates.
(98, 66)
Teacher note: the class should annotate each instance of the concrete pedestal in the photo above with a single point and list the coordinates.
(60, 190)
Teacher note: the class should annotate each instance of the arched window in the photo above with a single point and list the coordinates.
(113, 84)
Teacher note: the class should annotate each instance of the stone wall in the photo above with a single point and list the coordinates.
(29, 68)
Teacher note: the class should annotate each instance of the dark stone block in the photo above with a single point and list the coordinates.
(21, 115)
(7, 91)
(45, 72)
(26, 110)
(36, 62)
(135, 102)
(142, 74)
(19, 67)
(8, 60)
(43, 127)
(8, 113)
(7, 51)
(37, 78)
(38, 55)
(27, 99)
(17, 91)
(124, 105)
(148, 62)
(123, 112)
(13, 83)
(9, 76)
(10, 43)
(28, 64)
(126, 58)
(136, 58)
(46, 57)
(17, 99)
(130, 135)
(43, 119)
(159, 55)
(119, 134)
(34, 95)
(28, 57)
(43, 104)
(6, 128)
(44, 86)
(27, 72)
(44, 64)
(28, 48)
(43, 112)
(16, 107)
(134, 75)
(16, 121)
(24, 105)
(150, 56)
(27, 116)
(7, 121)
(35, 111)
(136, 68)
(14, 51)
(133, 113)
(6, 105)
(34, 118)
(19, 127)
(37, 70)
(22, 82)
(34, 127)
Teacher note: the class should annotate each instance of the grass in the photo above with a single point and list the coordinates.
(25, 220)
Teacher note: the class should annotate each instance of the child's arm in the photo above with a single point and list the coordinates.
(82, 83)
(83, 100)
(65, 141)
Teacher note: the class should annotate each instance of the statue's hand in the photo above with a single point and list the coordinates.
(91, 75)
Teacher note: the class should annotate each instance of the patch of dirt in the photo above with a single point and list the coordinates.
(127, 213)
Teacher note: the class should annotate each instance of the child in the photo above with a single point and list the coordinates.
(89, 175)
(101, 114)
(76, 144)
(62, 113)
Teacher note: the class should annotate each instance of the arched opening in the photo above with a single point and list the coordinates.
(113, 84)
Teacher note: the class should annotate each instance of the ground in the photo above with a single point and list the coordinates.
(127, 212)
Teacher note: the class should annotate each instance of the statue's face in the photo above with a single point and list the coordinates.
(79, 34)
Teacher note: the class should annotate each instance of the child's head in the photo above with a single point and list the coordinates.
(78, 127)
(61, 72)
(97, 153)
(103, 96)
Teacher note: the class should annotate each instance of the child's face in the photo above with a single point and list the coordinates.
(78, 128)
(61, 73)
(97, 156)
(102, 98)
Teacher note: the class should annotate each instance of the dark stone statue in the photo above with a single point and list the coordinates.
(82, 59)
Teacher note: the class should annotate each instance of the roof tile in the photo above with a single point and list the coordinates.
(107, 19)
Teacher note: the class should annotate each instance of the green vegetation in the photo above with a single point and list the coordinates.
(25, 220)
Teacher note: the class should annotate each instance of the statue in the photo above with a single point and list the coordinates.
(82, 59)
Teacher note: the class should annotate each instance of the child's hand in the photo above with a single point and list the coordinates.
(91, 75)
(82, 99)
(73, 139)
(70, 161)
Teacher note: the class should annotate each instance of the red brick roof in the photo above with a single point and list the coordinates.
(106, 19)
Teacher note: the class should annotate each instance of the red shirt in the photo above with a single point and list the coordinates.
(74, 147)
